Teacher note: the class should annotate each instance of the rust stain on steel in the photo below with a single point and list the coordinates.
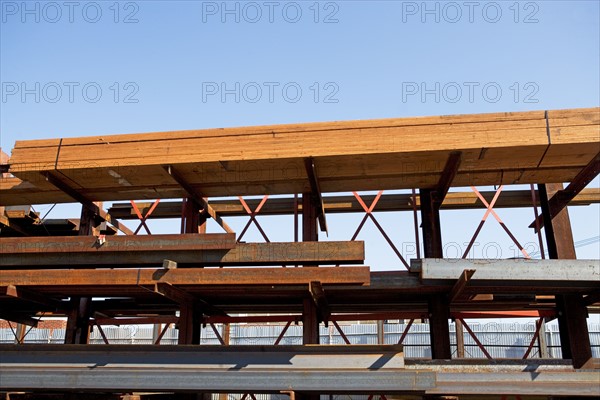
(190, 276)
(90, 244)
(152, 254)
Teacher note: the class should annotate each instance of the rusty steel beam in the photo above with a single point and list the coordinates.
(438, 306)
(32, 296)
(173, 293)
(87, 203)
(284, 318)
(184, 249)
(448, 173)
(197, 196)
(188, 276)
(460, 285)
(79, 313)
(349, 204)
(571, 308)
(87, 244)
(6, 222)
(563, 197)
(166, 319)
(332, 369)
(318, 295)
(315, 188)
(532, 272)
(182, 297)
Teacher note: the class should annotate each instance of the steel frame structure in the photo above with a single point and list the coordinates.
(179, 290)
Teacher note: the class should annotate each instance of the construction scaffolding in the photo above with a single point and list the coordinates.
(83, 270)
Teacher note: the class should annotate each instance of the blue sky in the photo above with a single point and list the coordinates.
(117, 67)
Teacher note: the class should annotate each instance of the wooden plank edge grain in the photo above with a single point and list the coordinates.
(286, 128)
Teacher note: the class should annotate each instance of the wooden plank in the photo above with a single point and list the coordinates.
(61, 252)
(335, 143)
(504, 148)
(318, 126)
(190, 276)
(398, 134)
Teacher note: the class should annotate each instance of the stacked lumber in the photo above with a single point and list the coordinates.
(499, 148)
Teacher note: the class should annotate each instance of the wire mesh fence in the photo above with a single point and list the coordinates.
(500, 339)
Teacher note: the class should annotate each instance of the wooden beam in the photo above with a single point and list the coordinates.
(187, 276)
(152, 250)
(197, 196)
(500, 148)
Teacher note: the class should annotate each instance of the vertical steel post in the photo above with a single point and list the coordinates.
(77, 330)
(460, 339)
(572, 312)
(310, 321)
(542, 345)
(190, 319)
(310, 233)
(439, 310)
(380, 332)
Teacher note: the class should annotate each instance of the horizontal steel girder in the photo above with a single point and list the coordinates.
(194, 368)
(509, 270)
(269, 369)
(185, 249)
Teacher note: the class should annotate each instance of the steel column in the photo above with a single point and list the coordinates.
(189, 324)
(430, 222)
(190, 216)
(77, 330)
(572, 312)
(309, 218)
(439, 311)
(310, 321)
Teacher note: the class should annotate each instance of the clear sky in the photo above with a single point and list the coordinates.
(86, 68)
